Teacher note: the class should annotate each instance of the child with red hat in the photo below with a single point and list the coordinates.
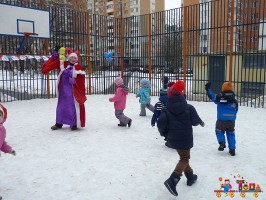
(227, 108)
(4, 147)
(120, 102)
(175, 123)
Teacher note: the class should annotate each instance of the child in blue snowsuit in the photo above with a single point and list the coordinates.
(227, 108)
(144, 97)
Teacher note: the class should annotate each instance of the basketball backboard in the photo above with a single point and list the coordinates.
(16, 20)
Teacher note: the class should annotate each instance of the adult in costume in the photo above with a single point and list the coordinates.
(71, 90)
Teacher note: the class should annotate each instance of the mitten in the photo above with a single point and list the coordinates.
(207, 85)
(13, 152)
(55, 55)
(202, 123)
(149, 101)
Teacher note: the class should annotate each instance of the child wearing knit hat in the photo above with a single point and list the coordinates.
(227, 108)
(161, 103)
(175, 123)
(144, 97)
(4, 147)
(120, 102)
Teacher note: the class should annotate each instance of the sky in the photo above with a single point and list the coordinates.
(170, 4)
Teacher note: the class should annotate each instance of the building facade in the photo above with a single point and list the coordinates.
(209, 25)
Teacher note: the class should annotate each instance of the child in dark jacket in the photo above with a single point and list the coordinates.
(175, 123)
(227, 108)
(160, 104)
(120, 102)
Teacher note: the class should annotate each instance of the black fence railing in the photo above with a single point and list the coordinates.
(196, 43)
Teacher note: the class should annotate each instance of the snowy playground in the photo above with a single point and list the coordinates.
(104, 161)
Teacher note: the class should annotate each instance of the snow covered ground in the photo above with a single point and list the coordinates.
(103, 161)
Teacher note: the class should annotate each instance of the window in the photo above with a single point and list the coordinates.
(254, 61)
(252, 39)
(125, 4)
(118, 13)
(203, 49)
(203, 25)
(254, 4)
(254, 15)
(251, 89)
(118, 5)
(204, 38)
(253, 28)
(126, 11)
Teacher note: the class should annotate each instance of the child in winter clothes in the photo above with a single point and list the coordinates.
(120, 102)
(145, 99)
(227, 108)
(175, 123)
(163, 90)
(160, 104)
(4, 147)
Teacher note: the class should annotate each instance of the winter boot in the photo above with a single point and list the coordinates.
(121, 125)
(129, 123)
(222, 146)
(56, 126)
(166, 144)
(171, 183)
(74, 128)
(232, 152)
(0, 198)
(191, 178)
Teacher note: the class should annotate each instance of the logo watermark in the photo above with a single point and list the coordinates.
(244, 188)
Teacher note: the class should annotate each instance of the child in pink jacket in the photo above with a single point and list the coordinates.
(3, 145)
(120, 102)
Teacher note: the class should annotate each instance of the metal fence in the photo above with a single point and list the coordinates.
(215, 41)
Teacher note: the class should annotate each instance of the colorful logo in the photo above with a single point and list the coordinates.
(243, 188)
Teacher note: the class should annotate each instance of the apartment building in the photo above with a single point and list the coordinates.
(209, 25)
(133, 26)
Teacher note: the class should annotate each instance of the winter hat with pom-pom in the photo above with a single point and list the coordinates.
(170, 84)
(176, 89)
(119, 81)
(227, 86)
(3, 111)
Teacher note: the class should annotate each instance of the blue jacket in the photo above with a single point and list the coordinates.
(144, 94)
(176, 121)
(227, 105)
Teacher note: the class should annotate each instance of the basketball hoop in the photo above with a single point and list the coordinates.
(27, 34)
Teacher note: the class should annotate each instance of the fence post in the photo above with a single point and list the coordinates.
(46, 46)
(149, 46)
(185, 44)
(122, 46)
(231, 40)
(89, 52)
